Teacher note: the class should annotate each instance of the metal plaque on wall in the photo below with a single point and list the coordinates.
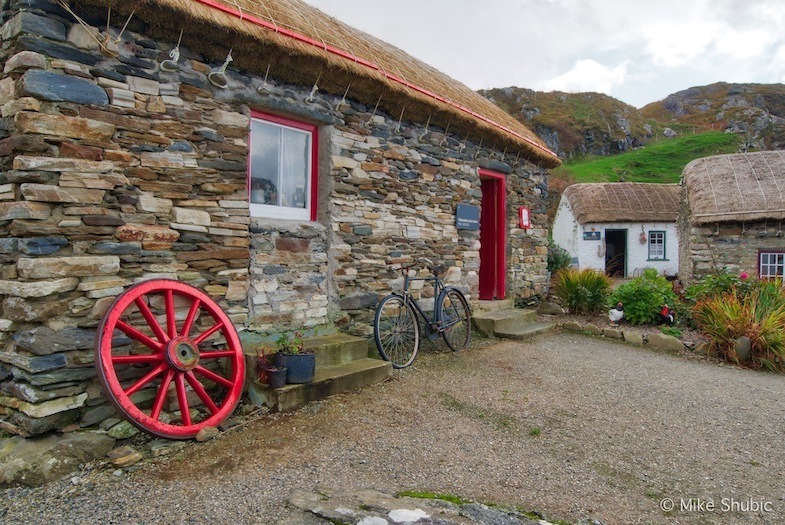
(467, 217)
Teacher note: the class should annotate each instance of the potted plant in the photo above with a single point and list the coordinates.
(300, 363)
(267, 372)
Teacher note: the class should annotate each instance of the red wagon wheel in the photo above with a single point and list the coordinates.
(170, 359)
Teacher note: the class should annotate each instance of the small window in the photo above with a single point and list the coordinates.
(282, 168)
(771, 264)
(656, 245)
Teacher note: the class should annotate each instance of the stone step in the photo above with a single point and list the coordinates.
(526, 331)
(488, 323)
(328, 381)
(337, 349)
(490, 306)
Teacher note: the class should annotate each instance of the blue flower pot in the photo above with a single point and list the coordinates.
(300, 368)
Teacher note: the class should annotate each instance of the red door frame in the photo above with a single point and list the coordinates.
(493, 262)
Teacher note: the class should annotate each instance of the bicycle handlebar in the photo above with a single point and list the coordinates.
(436, 269)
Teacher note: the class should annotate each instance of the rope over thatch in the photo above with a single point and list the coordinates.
(623, 202)
(737, 187)
(299, 43)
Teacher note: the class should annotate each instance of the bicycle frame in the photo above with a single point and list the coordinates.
(433, 325)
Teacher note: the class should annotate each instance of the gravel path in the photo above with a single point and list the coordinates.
(566, 425)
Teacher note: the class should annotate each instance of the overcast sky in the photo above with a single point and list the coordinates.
(638, 51)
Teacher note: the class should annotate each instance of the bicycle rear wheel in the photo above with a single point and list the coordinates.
(397, 331)
(455, 316)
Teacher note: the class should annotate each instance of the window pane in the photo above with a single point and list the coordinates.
(294, 168)
(656, 245)
(772, 264)
(265, 145)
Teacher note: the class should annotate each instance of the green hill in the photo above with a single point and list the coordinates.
(662, 161)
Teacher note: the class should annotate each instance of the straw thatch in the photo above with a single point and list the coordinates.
(623, 202)
(298, 43)
(738, 187)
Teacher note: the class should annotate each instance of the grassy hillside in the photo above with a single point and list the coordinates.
(574, 123)
(755, 110)
(661, 162)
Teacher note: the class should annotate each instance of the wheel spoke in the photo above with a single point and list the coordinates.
(201, 392)
(182, 399)
(150, 318)
(133, 333)
(216, 354)
(136, 359)
(160, 397)
(210, 331)
(152, 374)
(189, 320)
(209, 374)
(171, 322)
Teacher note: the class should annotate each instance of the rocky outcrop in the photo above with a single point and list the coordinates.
(33, 462)
(756, 111)
(574, 124)
(372, 507)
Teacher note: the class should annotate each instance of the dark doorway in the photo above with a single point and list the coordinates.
(615, 253)
(493, 238)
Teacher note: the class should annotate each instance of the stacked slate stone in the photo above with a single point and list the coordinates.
(110, 174)
(113, 171)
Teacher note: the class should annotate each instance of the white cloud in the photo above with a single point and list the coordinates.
(587, 75)
(639, 51)
(675, 43)
(743, 44)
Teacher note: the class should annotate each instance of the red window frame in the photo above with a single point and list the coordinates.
(313, 129)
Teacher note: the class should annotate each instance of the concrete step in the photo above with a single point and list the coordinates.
(489, 323)
(328, 381)
(526, 331)
(490, 306)
(337, 349)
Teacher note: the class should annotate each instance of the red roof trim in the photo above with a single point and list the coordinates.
(343, 54)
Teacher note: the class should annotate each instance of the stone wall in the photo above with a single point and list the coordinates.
(113, 171)
(733, 246)
(393, 200)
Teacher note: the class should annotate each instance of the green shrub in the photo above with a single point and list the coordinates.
(582, 291)
(558, 258)
(643, 297)
(669, 330)
(758, 314)
(718, 284)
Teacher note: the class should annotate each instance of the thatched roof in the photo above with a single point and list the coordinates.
(301, 44)
(623, 202)
(738, 187)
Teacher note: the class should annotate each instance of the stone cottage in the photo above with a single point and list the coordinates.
(732, 215)
(620, 228)
(278, 160)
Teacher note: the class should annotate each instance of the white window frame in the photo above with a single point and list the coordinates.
(771, 260)
(658, 233)
(308, 213)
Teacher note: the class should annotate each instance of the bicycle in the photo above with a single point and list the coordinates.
(397, 329)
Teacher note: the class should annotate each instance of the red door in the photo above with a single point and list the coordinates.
(493, 229)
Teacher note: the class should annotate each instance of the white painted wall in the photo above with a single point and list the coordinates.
(568, 234)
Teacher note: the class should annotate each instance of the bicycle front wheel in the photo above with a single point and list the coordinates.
(455, 319)
(397, 331)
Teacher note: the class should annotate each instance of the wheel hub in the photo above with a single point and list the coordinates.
(182, 354)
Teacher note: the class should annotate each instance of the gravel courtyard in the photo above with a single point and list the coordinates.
(566, 425)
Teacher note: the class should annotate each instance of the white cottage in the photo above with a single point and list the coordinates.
(620, 228)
